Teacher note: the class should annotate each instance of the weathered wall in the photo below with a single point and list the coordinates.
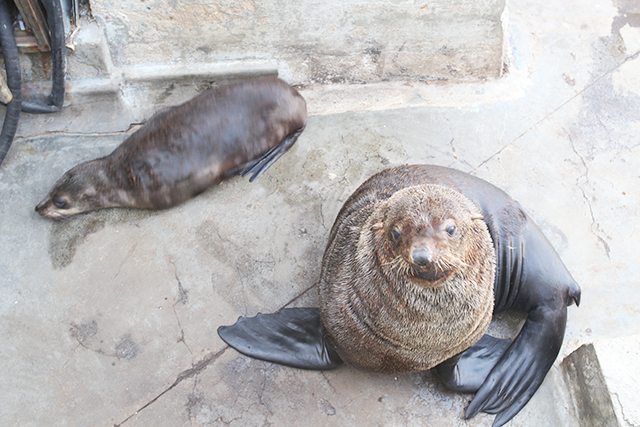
(313, 40)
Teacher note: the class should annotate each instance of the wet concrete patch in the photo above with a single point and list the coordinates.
(196, 405)
(126, 348)
(68, 235)
(327, 407)
(628, 14)
(86, 334)
(84, 331)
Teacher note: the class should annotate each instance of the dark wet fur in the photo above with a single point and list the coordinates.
(182, 151)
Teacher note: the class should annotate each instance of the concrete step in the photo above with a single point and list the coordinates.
(602, 379)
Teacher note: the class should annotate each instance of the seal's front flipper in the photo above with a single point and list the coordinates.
(522, 368)
(292, 337)
(260, 165)
(467, 371)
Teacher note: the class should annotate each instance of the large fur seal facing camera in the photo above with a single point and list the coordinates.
(240, 128)
(418, 260)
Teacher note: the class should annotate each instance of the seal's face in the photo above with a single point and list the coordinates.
(427, 231)
(71, 195)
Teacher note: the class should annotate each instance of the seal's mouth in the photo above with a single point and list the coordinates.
(431, 278)
(55, 215)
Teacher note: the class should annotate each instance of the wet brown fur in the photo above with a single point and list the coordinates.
(184, 150)
(376, 312)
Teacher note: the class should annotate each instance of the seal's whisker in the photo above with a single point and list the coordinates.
(402, 267)
(452, 262)
(392, 262)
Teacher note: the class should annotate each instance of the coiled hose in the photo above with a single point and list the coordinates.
(12, 65)
(56, 31)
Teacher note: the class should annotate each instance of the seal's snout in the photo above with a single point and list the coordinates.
(40, 207)
(421, 256)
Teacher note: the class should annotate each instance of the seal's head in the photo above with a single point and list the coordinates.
(74, 193)
(429, 233)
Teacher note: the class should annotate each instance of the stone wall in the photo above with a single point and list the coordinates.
(312, 41)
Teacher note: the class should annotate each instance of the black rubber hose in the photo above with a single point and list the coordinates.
(56, 31)
(12, 66)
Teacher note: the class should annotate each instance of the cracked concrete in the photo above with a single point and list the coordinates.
(581, 181)
(110, 318)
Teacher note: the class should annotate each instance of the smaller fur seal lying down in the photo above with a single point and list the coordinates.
(418, 259)
(240, 128)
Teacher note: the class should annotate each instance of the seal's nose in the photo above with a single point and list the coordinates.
(41, 205)
(421, 256)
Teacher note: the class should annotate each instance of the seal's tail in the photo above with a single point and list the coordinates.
(291, 337)
(574, 293)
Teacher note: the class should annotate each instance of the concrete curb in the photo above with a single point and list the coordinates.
(602, 380)
(161, 75)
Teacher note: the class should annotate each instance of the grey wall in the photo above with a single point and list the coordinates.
(313, 40)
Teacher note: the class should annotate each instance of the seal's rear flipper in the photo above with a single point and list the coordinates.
(523, 366)
(291, 337)
(258, 166)
(467, 371)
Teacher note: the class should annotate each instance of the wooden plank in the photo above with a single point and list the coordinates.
(26, 41)
(33, 16)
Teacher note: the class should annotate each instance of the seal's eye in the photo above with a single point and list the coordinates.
(59, 202)
(395, 234)
(451, 230)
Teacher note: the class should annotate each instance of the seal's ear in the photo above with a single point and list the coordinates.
(377, 226)
(477, 217)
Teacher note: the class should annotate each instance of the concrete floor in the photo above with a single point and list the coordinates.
(110, 318)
